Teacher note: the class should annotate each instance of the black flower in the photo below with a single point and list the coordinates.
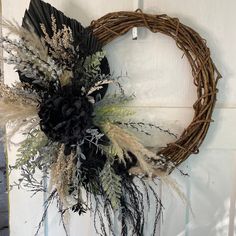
(65, 116)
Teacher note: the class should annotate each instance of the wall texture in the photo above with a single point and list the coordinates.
(162, 82)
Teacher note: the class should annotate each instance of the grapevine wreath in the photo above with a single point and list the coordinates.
(77, 132)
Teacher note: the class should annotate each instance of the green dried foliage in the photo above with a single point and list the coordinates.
(92, 63)
(111, 113)
(111, 184)
(112, 108)
(31, 147)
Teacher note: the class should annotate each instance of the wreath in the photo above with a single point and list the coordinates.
(77, 132)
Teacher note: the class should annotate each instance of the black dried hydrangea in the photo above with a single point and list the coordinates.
(65, 116)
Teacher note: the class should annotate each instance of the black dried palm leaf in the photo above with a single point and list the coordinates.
(40, 12)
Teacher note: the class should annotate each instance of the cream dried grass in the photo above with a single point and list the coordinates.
(123, 143)
(30, 38)
(63, 171)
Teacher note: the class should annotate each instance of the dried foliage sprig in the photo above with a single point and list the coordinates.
(111, 183)
(31, 40)
(29, 60)
(141, 126)
(60, 44)
(22, 57)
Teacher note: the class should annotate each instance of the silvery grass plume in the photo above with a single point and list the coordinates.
(29, 54)
(16, 104)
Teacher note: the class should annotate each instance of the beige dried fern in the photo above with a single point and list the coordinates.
(61, 40)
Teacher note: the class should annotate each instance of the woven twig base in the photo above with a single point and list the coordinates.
(205, 74)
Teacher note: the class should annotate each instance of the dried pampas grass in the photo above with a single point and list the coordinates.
(17, 106)
(16, 112)
(62, 172)
(17, 94)
(28, 35)
(123, 143)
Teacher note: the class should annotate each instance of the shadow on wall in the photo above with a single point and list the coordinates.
(210, 187)
(4, 224)
(76, 11)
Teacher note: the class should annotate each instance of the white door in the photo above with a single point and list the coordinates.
(163, 84)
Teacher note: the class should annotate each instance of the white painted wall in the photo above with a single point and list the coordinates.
(165, 93)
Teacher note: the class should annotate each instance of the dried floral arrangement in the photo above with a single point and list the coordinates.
(76, 132)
